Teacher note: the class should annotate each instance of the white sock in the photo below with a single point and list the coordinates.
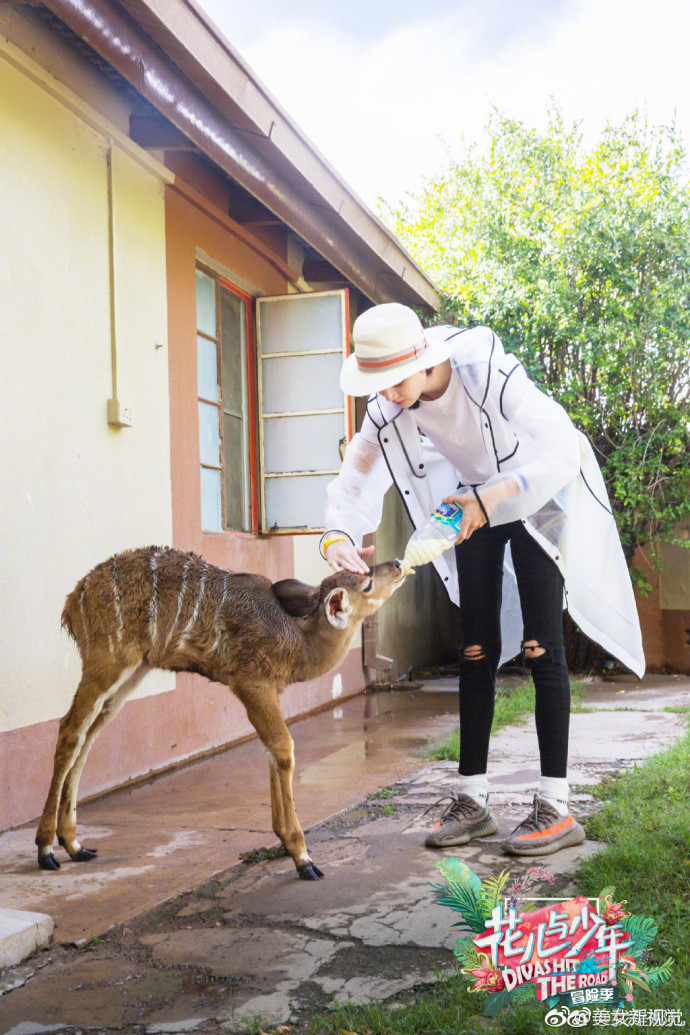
(555, 791)
(476, 787)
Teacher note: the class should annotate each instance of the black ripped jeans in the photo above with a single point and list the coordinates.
(540, 585)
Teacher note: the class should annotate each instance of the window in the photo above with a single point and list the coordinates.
(225, 388)
(303, 418)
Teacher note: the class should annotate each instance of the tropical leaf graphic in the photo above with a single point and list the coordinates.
(638, 978)
(624, 985)
(463, 893)
(497, 1000)
(491, 892)
(455, 871)
(457, 897)
(523, 993)
(466, 953)
(655, 975)
(643, 930)
(605, 893)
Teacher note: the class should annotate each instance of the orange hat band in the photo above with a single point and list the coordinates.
(392, 361)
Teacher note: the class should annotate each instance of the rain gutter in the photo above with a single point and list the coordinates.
(128, 47)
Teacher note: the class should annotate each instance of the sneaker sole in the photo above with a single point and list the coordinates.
(573, 837)
(489, 826)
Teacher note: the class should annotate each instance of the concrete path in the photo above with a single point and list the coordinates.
(255, 940)
(163, 836)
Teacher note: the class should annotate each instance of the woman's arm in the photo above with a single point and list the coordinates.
(548, 452)
(355, 501)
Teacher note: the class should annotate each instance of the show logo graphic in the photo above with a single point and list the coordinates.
(582, 958)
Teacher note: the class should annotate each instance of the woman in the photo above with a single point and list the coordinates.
(451, 416)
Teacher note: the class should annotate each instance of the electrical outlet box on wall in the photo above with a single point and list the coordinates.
(120, 414)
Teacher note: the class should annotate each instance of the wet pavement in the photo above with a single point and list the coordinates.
(160, 837)
(254, 940)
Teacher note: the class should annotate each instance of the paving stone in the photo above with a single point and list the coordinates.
(260, 954)
(21, 934)
(274, 1008)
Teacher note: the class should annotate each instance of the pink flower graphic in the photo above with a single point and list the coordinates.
(614, 911)
(489, 978)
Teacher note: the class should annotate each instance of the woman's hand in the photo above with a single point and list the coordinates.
(343, 556)
(472, 514)
(473, 517)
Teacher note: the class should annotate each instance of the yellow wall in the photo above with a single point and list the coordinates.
(74, 489)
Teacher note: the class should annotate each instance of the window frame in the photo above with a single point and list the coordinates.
(347, 408)
(251, 388)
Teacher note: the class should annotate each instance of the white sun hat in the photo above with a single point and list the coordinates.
(390, 344)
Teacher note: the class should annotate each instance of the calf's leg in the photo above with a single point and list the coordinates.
(67, 810)
(265, 716)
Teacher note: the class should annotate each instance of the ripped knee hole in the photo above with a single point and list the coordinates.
(532, 649)
(474, 653)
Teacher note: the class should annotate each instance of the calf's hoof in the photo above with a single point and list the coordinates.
(48, 862)
(81, 855)
(308, 871)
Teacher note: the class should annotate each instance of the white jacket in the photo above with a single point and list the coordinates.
(527, 436)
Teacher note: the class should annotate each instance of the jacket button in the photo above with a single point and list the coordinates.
(421, 467)
(407, 492)
(385, 440)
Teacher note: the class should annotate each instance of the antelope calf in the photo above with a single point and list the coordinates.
(162, 608)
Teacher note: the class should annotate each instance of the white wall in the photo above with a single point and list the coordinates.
(74, 489)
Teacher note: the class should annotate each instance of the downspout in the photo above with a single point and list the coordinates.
(155, 76)
(119, 415)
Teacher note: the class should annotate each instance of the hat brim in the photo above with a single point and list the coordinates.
(355, 381)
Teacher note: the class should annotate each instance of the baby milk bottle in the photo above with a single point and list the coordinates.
(430, 540)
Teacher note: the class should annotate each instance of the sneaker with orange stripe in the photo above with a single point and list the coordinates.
(460, 821)
(543, 832)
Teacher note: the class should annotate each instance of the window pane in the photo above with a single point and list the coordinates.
(211, 515)
(302, 443)
(301, 324)
(296, 502)
(237, 508)
(233, 323)
(206, 303)
(207, 368)
(302, 383)
(209, 434)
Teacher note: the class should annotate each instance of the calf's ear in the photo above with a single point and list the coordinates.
(338, 607)
(297, 598)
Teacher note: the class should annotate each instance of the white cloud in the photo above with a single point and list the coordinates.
(380, 109)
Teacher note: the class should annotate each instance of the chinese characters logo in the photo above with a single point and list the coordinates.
(571, 955)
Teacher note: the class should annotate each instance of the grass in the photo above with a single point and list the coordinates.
(513, 704)
(644, 821)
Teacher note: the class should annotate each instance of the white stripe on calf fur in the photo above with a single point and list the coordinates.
(219, 612)
(153, 605)
(180, 599)
(190, 624)
(118, 609)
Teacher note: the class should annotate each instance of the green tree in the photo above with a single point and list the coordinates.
(580, 259)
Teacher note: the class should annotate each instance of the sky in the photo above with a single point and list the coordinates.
(387, 90)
